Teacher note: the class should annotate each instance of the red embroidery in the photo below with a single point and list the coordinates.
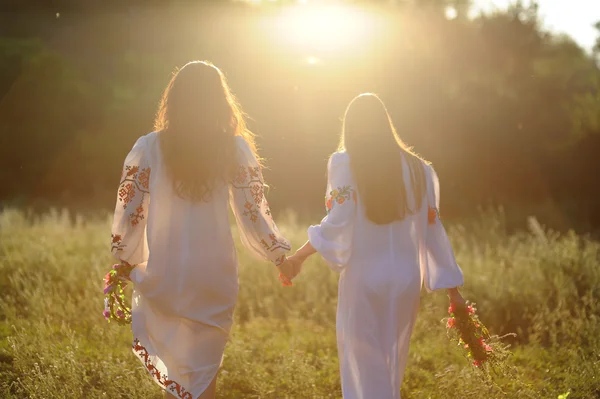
(116, 244)
(258, 193)
(339, 196)
(137, 216)
(251, 211)
(131, 170)
(254, 172)
(134, 181)
(144, 178)
(163, 380)
(432, 215)
(126, 194)
(241, 175)
(276, 243)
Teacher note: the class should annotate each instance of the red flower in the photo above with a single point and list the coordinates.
(481, 342)
(340, 200)
(488, 348)
(471, 309)
(477, 363)
(451, 308)
(450, 323)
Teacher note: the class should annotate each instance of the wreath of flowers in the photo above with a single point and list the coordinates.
(464, 327)
(115, 282)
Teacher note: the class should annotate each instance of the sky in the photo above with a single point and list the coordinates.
(573, 17)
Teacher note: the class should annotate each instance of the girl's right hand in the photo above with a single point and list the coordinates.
(456, 298)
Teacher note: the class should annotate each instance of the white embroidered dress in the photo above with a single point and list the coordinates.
(382, 269)
(185, 281)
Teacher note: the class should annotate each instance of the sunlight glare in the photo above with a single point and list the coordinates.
(451, 13)
(312, 60)
(324, 28)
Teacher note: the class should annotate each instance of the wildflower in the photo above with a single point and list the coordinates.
(471, 309)
(106, 314)
(451, 308)
(451, 322)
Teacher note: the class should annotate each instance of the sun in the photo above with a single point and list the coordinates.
(323, 29)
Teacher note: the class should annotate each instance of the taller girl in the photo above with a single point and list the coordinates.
(171, 221)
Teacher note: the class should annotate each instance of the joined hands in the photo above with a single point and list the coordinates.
(293, 264)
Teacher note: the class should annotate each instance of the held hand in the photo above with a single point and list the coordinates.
(290, 269)
(456, 298)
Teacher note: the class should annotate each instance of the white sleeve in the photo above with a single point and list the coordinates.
(128, 238)
(257, 228)
(441, 269)
(333, 237)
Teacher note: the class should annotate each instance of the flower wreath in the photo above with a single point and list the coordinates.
(465, 328)
(115, 282)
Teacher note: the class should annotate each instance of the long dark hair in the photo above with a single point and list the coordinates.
(197, 120)
(376, 160)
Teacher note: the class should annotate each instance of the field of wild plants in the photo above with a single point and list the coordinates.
(543, 286)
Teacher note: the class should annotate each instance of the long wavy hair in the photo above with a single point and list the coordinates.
(197, 120)
(376, 161)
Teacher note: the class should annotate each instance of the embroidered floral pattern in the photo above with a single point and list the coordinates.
(257, 193)
(251, 212)
(131, 171)
(339, 196)
(249, 186)
(241, 176)
(144, 178)
(276, 243)
(432, 215)
(254, 172)
(116, 243)
(137, 216)
(126, 194)
(134, 181)
(173, 387)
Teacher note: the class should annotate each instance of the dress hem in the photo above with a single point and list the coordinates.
(163, 381)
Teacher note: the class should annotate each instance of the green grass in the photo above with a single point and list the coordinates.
(54, 342)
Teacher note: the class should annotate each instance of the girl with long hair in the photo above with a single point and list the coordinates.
(383, 234)
(172, 223)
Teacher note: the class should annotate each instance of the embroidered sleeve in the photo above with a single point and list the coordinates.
(128, 238)
(332, 238)
(258, 230)
(441, 270)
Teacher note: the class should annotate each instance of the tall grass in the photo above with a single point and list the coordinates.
(54, 342)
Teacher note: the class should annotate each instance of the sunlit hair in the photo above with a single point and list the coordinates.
(376, 152)
(197, 120)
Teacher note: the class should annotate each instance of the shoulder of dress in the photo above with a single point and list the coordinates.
(339, 158)
(241, 143)
(145, 140)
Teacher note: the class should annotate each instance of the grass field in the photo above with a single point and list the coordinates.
(54, 342)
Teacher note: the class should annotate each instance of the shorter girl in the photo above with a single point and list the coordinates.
(382, 232)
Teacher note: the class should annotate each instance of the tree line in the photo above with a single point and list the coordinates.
(509, 114)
